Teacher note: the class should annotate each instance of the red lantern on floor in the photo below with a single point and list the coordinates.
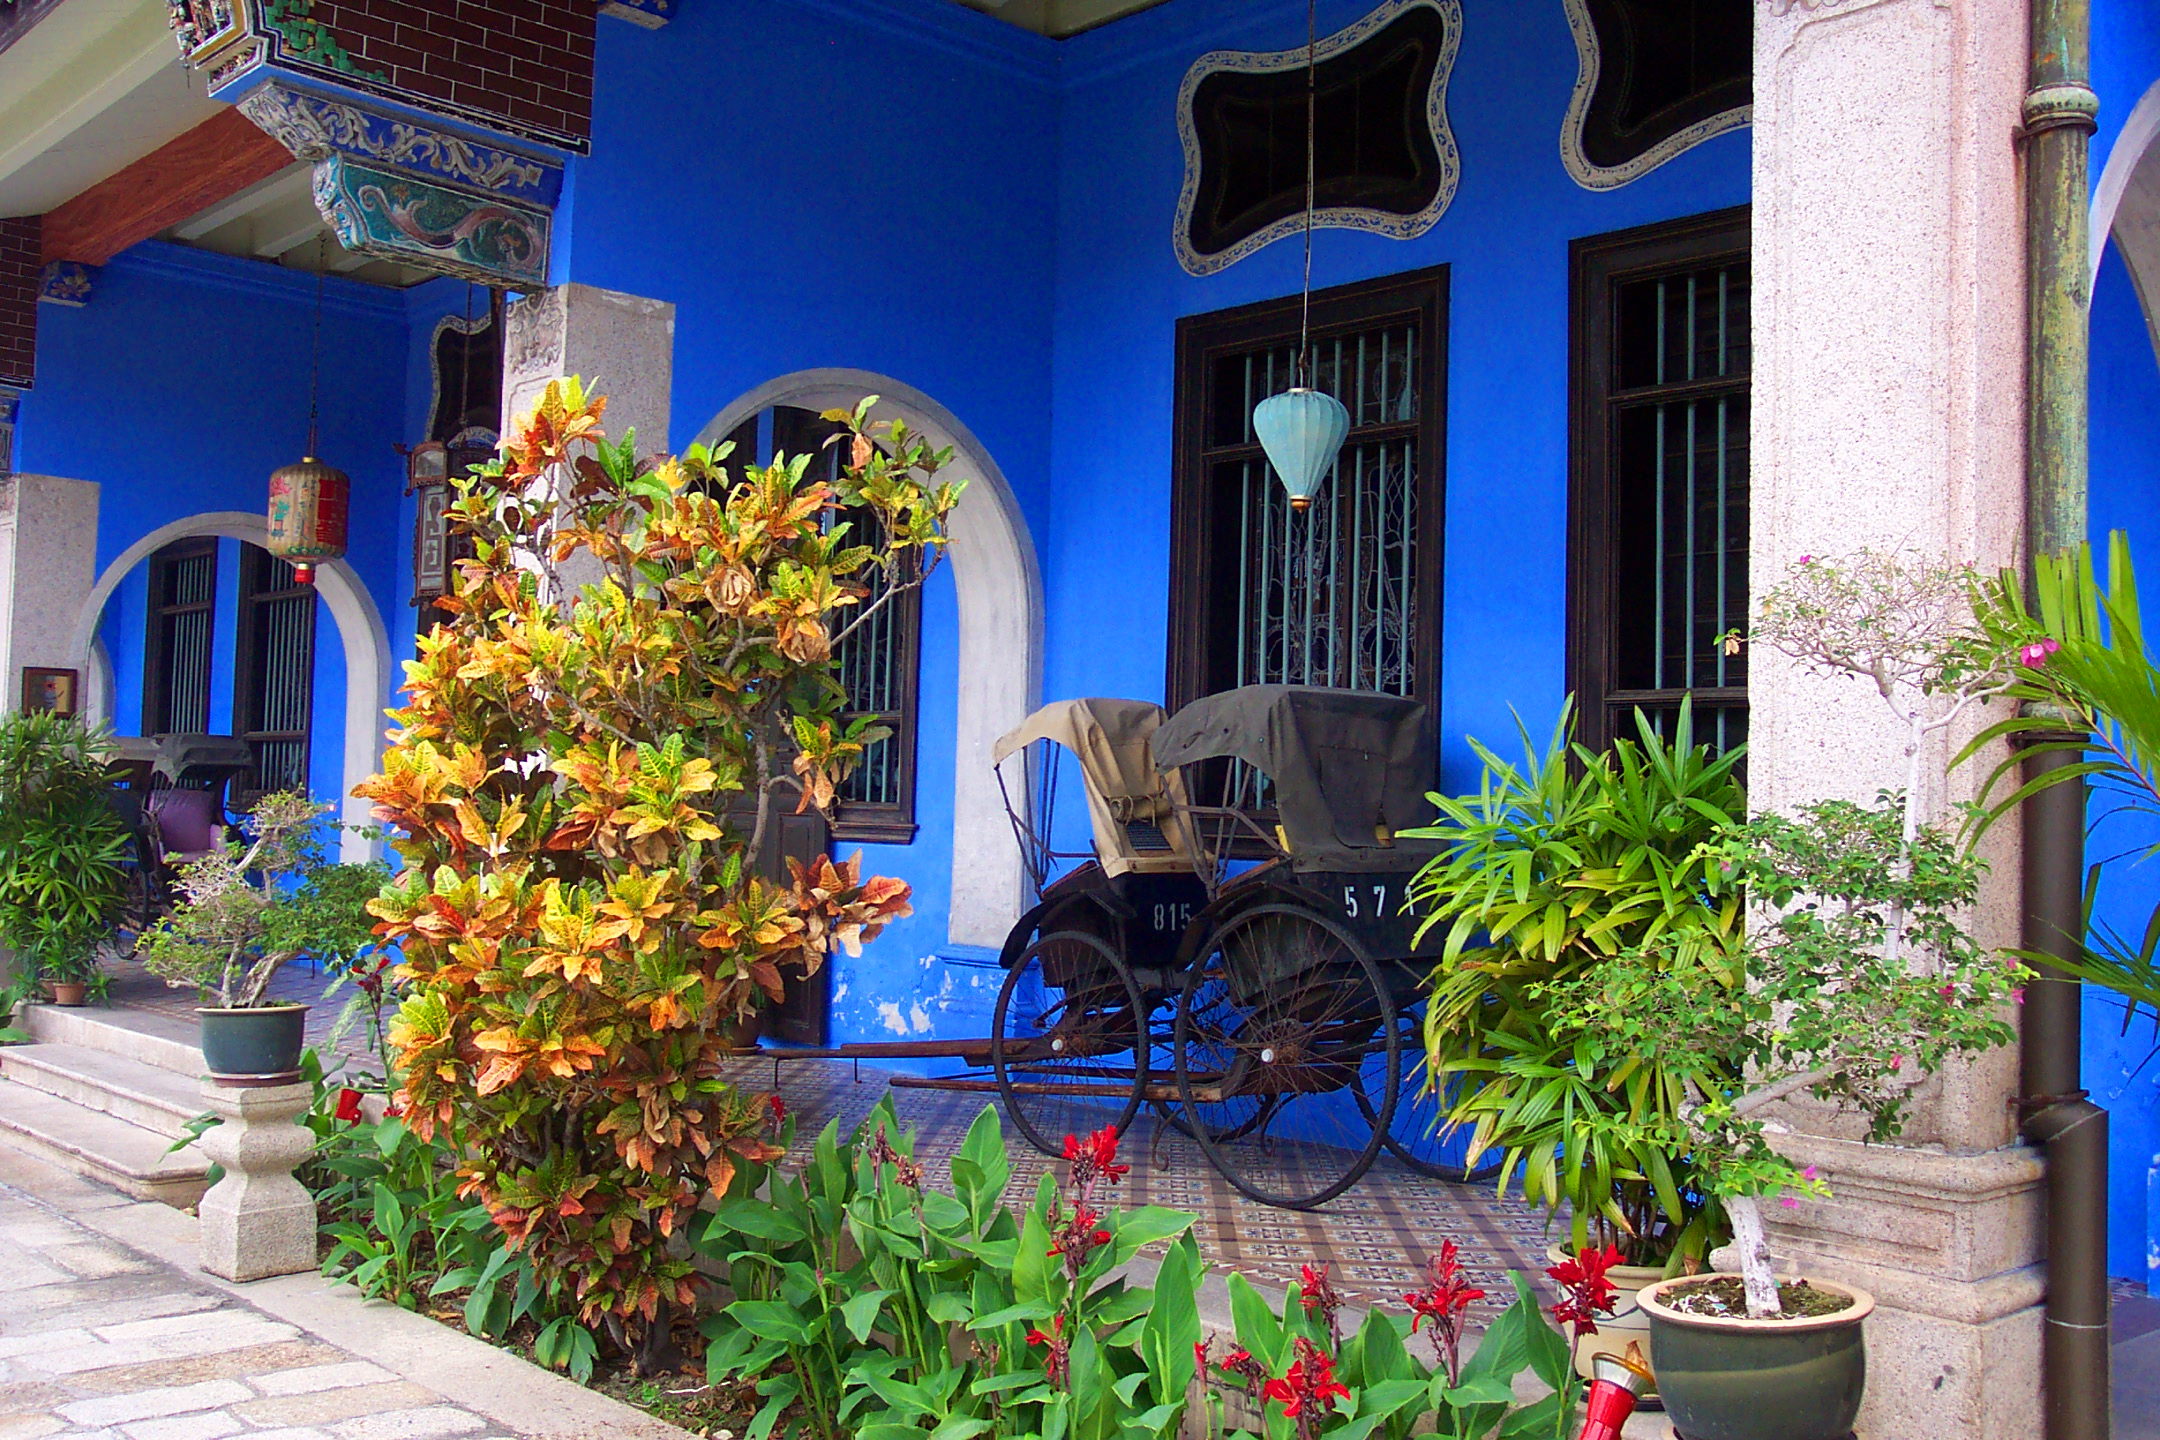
(309, 505)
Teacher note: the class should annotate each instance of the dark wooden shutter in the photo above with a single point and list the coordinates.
(1658, 514)
(182, 629)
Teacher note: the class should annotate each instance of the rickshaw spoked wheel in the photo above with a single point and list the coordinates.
(1062, 1041)
(1276, 1025)
(1413, 1133)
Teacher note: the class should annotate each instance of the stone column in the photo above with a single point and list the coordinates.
(48, 564)
(257, 1221)
(622, 346)
(1888, 412)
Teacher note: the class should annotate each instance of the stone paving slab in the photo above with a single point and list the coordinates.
(108, 1331)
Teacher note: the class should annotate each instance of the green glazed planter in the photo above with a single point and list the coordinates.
(1741, 1379)
(260, 1046)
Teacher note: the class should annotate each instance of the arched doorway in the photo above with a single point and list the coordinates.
(364, 641)
(999, 589)
(2126, 206)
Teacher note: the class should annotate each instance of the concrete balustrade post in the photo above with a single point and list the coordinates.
(257, 1221)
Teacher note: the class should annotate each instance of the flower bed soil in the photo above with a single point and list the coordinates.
(1725, 1298)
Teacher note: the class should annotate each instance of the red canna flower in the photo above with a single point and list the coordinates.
(1057, 1358)
(348, 1106)
(1448, 1294)
(1317, 1295)
(1095, 1158)
(1586, 1293)
(1308, 1389)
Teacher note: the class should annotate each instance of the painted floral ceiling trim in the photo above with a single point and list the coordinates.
(1228, 208)
(1634, 107)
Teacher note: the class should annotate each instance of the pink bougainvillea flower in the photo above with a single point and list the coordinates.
(2035, 655)
(1789, 1202)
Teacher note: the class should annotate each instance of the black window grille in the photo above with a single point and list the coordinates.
(180, 637)
(1347, 592)
(1660, 524)
(878, 659)
(274, 677)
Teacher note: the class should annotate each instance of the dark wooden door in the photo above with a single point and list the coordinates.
(804, 1014)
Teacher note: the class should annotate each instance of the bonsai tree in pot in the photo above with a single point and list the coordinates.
(1859, 980)
(63, 850)
(247, 910)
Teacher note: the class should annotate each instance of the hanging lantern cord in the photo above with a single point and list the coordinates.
(314, 384)
(1312, 84)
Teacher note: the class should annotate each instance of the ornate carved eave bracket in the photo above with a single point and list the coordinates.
(651, 14)
(400, 185)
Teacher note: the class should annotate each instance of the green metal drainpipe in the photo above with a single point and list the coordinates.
(2059, 110)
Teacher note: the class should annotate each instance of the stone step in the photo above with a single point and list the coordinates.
(101, 1147)
(145, 1095)
(149, 1036)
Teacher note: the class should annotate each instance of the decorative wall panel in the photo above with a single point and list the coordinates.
(1654, 78)
(1384, 156)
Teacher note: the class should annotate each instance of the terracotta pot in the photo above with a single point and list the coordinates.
(258, 1046)
(1732, 1378)
(69, 992)
(1627, 1322)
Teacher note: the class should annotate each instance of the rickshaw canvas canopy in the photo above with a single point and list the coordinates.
(1130, 802)
(1350, 767)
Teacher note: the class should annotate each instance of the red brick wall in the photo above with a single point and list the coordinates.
(21, 259)
(529, 62)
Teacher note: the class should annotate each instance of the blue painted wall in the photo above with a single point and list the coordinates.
(862, 186)
(178, 389)
(1505, 237)
(2122, 1068)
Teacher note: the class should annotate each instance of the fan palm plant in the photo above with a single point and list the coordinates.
(2089, 691)
(1551, 869)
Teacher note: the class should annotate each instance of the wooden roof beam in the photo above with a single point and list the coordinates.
(209, 164)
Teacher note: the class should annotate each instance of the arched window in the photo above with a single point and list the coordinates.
(877, 659)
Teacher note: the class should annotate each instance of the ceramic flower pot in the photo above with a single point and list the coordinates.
(1733, 1378)
(1627, 1322)
(259, 1046)
(68, 992)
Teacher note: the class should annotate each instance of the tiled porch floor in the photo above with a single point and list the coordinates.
(1375, 1238)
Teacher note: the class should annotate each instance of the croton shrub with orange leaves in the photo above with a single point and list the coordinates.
(637, 668)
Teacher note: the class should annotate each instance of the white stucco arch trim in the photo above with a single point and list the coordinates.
(366, 643)
(1001, 628)
(2125, 194)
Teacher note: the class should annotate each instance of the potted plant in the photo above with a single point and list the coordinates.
(244, 912)
(63, 849)
(1859, 980)
(1545, 873)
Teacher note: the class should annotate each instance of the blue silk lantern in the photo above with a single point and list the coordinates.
(1302, 431)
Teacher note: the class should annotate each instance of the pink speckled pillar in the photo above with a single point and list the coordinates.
(1889, 384)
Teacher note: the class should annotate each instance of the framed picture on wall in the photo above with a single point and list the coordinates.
(47, 689)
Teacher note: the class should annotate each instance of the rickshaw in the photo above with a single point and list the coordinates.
(1295, 1045)
(1081, 1030)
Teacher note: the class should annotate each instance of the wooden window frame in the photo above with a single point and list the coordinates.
(1598, 266)
(248, 661)
(156, 659)
(1201, 339)
(854, 821)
